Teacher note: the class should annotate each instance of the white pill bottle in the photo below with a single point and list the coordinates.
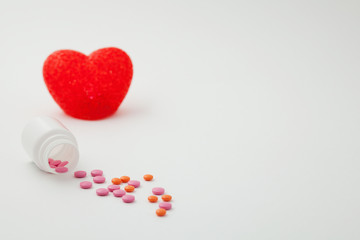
(46, 137)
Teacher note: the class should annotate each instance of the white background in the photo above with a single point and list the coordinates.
(247, 112)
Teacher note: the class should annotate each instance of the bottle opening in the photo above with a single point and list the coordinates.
(63, 155)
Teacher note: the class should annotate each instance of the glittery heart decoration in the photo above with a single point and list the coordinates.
(88, 87)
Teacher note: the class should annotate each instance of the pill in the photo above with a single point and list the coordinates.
(61, 169)
(148, 177)
(166, 198)
(134, 183)
(102, 191)
(96, 172)
(125, 179)
(63, 164)
(116, 181)
(119, 193)
(160, 212)
(152, 198)
(128, 198)
(52, 166)
(86, 184)
(80, 174)
(99, 179)
(158, 191)
(56, 162)
(113, 187)
(50, 160)
(165, 205)
(129, 188)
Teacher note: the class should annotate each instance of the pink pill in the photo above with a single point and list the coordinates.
(134, 183)
(80, 174)
(113, 187)
(96, 172)
(102, 191)
(52, 166)
(56, 162)
(61, 169)
(128, 198)
(99, 179)
(86, 184)
(63, 164)
(50, 160)
(158, 191)
(165, 205)
(119, 193)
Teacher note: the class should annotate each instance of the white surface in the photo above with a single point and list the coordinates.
(247, 112)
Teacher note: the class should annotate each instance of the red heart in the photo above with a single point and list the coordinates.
(88, 87)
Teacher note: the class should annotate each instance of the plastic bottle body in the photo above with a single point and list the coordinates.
(44, 138)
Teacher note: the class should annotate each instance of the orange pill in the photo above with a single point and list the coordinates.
(129, 188)
(116, 181)
(166, 198)
(125, 179)
(148, 177)
(152, 198)
(160, 212)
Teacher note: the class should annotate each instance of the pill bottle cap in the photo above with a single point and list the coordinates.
(45, 138)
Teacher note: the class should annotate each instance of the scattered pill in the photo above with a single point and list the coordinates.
(52, 166)
(63, 164)
(96, 172)
(125, 179)
(148, 177)
(116, 181)
(56, 162)
(113, 187)
(165, 205)
(158, 191)
(134, 183)
(119, 193)
(153, 199)
(86, 184)
(128, 198)
(50, 160)
(166, 198)
(80, 174)
(61, 169)
(99, 179)
(102, 191)
(129, 188)
(160, 212)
